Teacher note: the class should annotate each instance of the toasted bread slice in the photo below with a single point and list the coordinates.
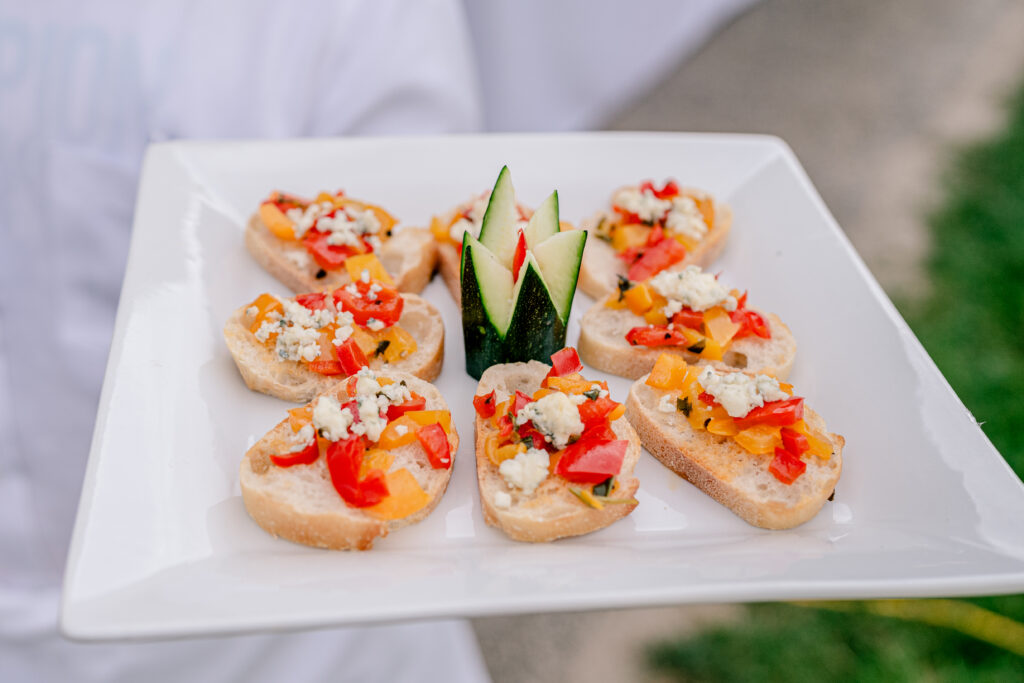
(601, 266)
(449, 263)
(300, 504)
(552, 511)
(408, 257)
(603, 345)
(725, 471)
(291, 380)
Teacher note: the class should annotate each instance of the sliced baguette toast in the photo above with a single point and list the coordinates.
(300, 504)
(408, 257)
(552, 511)
(291, 380)
(603, 345)
(601, 267)
(725, 471)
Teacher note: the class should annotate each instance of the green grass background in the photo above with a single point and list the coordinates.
(972, 324)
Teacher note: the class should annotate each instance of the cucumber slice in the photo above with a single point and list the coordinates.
(558, 258)
(544, 222)
(498, 229)
(483, 326)
(536, 330)
(494, 283)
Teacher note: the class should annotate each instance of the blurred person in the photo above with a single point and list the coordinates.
(84, 87)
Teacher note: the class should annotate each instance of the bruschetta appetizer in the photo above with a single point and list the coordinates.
(367, 457)
(294, 348)
(648, 230)
(687, 313)
(304, 243)
(554, 455)
(741, 437)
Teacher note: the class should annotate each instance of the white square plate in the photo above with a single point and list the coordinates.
(163, 545)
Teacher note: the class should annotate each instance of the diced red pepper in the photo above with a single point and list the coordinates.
(657, 258)
(688, 317)
(775, 413)
(435, 443)
(564, 362)
(786, 467)
(327, 367)
(314, 302)
(519, 257)
(669, 189)
(596, 409)
(351, 357)
(599, 430)
(344, 459)
(590, 461)
(415, 402)
(794, 442)
(519, 402)
(655, 335)
(385, 304)
(707, 398)
(484, 405)
(304, 457)
(750, 322)
(528, 431)
(327, 256)
(505, 426)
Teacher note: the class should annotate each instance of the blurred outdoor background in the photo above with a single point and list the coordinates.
(909, 118)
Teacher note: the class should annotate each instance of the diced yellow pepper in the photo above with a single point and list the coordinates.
(375, 459)
(759, 439)
(638, 299)
(723, 426)
(819, 445)
(617, 412)
(628, 236)
(400, 344)
(300, 417)
(712, 349)
(655, 316)
(439, 229)
(265, 304)
(429, 417)
(719, 327)
(365, 340)
(542, 392)
(277, 223)
(326, 197)
(587, 497)
(355, 265)
(405, 496)
(400, 432)
(667, 372)
(499, 454)
(570, 386)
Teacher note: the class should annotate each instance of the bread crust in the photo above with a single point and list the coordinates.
(293, 381)
(603, 345)
(725, 471)
(299, 503)
(601, 267)
(408, 257)
(552, 511)
(449, 263)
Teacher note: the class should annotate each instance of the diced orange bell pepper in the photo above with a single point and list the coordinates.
(668, 372)
(265, 304)
(405, 496)
(568, 385)
(499, 454)
(400, 432)
(365, 340)
(542, 392)
(712, 349)
(428, 417)
(300, 417)
(638, 299)
(707, 210)
(723, 426)
(818, 444)
(355, 265)
(276, 221)
(400, 343)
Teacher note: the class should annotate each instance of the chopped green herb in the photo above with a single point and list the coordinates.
(604, 487)
(592, 394)
(382, 346)
(624, 286)
(528, 440)
(683, 404)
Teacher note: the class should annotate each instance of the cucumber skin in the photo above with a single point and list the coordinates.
(534, 333)
(484, 346)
